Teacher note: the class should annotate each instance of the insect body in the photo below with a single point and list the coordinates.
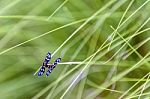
(49, 66)
(53, 66)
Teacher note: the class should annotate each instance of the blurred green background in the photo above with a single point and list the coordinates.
(117, 30)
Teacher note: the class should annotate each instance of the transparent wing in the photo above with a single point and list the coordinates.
(53, 66)
(47, 59)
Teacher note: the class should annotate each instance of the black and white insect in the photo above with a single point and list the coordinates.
(49, 66)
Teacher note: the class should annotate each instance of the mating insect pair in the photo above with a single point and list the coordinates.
(49, 66)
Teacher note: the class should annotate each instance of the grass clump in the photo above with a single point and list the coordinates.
(104, 46)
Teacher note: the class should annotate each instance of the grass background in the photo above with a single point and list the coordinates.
(114, 32)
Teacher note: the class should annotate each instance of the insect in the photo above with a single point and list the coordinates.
(49, 66)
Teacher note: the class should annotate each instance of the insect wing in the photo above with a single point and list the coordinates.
(41, 71)
(49, 70)
(47, 59)
(56, 62)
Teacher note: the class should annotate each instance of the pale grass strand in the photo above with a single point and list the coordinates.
(120, 22)
(144, 86)
(57, 9)
(130, 52)
(147, 93)
(98, 87)
(132, 87)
